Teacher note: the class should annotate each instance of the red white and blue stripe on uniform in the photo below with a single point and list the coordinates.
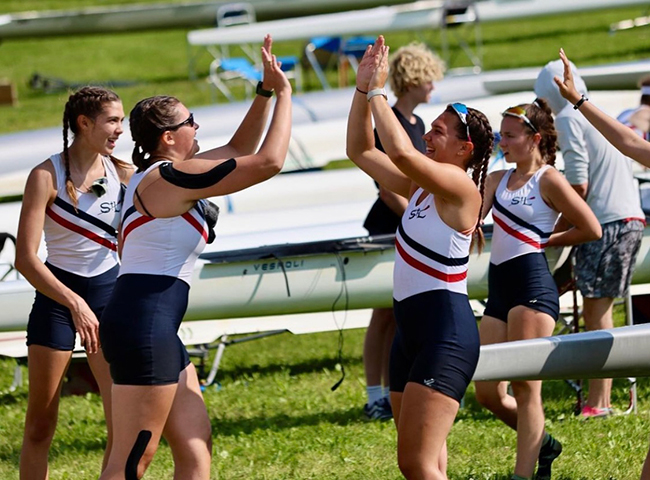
(523, 222)
(82, 239)
(161, 246)
(430, 255)
(82, 223)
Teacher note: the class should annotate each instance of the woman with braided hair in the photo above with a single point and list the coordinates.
(74, 197)
(436, 346)
(523, 301)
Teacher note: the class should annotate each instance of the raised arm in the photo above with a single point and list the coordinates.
(246, 138)
(445, 180)
(39, 193)
(622, 137)
(209, 178)
(360, 140)
(559, 194)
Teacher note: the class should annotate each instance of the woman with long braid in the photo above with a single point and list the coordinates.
(436, 346)
(74, 197)
(523, 300)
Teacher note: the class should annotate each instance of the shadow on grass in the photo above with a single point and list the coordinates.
(306, 366)
(12, 398)
(235, 427)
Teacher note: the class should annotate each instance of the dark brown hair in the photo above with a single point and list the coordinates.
(482, 137)
(88, 101)
(540, 115)
(148, 120)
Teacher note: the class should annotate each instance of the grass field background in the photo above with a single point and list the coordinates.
(273, 413)
(156, 62)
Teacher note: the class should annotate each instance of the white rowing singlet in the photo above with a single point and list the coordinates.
(161, 246)
(523, 222)
(429, 254)
(83, 240)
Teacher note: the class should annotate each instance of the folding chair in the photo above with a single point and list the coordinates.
(352, 50)
(238, 69)
(457, 16)
(319, 53)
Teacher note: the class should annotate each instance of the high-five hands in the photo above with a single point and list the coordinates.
(274, 77)
(373, 68)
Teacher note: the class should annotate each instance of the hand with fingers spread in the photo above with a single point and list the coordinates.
(274, 77)
(369, 64)
(87, 326)
(566, 85)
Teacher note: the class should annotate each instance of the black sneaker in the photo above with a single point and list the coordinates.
(547, 454)
(379, 410)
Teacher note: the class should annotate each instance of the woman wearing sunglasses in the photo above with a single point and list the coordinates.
(164, 228)
(436, 346)
(74, 198)
(523, 301)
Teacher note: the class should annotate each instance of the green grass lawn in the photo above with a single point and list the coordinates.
(274, 417)
(157, 62)
(273, 413)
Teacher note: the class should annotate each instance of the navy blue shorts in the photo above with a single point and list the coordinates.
(436, 343)
(50, 323)
(523, 281)
(139, 330)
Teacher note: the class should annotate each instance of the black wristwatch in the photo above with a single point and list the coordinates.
(261, 91)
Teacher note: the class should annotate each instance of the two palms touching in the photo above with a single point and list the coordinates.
(373, 68)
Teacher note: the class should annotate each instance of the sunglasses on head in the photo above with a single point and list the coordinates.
(461, 111)
(519, 112)
(189, 121)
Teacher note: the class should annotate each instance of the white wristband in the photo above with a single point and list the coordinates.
(375, 92)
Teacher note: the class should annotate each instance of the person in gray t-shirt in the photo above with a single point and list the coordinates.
(603, 176)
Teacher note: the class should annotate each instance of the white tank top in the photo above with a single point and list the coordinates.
(429, 254)
(625, 116)
(523, 222)
(161, 246)
(83, 241)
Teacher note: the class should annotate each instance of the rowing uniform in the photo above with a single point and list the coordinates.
(81, 246)
(436, 343)
(519, 273)
(139, 330)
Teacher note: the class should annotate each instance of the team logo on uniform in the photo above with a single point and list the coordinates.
(418, 212)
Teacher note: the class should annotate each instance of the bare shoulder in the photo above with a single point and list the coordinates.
(552, 178)
(495, 177)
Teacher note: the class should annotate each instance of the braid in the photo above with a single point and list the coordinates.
(483, 140)
(69, 185)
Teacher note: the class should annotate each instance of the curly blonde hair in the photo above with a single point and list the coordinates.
(413, 65)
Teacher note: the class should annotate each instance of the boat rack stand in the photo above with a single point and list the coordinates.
(203, 352)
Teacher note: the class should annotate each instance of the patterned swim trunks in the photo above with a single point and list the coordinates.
(604, 267)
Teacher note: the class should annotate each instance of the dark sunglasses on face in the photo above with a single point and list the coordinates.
(461, 111)
(519, 112)
(189, 121)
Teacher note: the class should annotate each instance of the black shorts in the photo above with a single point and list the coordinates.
(381, 219)
(50, 323)
(436, 343)
(139, 330)
(523, 281)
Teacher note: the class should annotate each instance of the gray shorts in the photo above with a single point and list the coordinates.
(604, 267)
